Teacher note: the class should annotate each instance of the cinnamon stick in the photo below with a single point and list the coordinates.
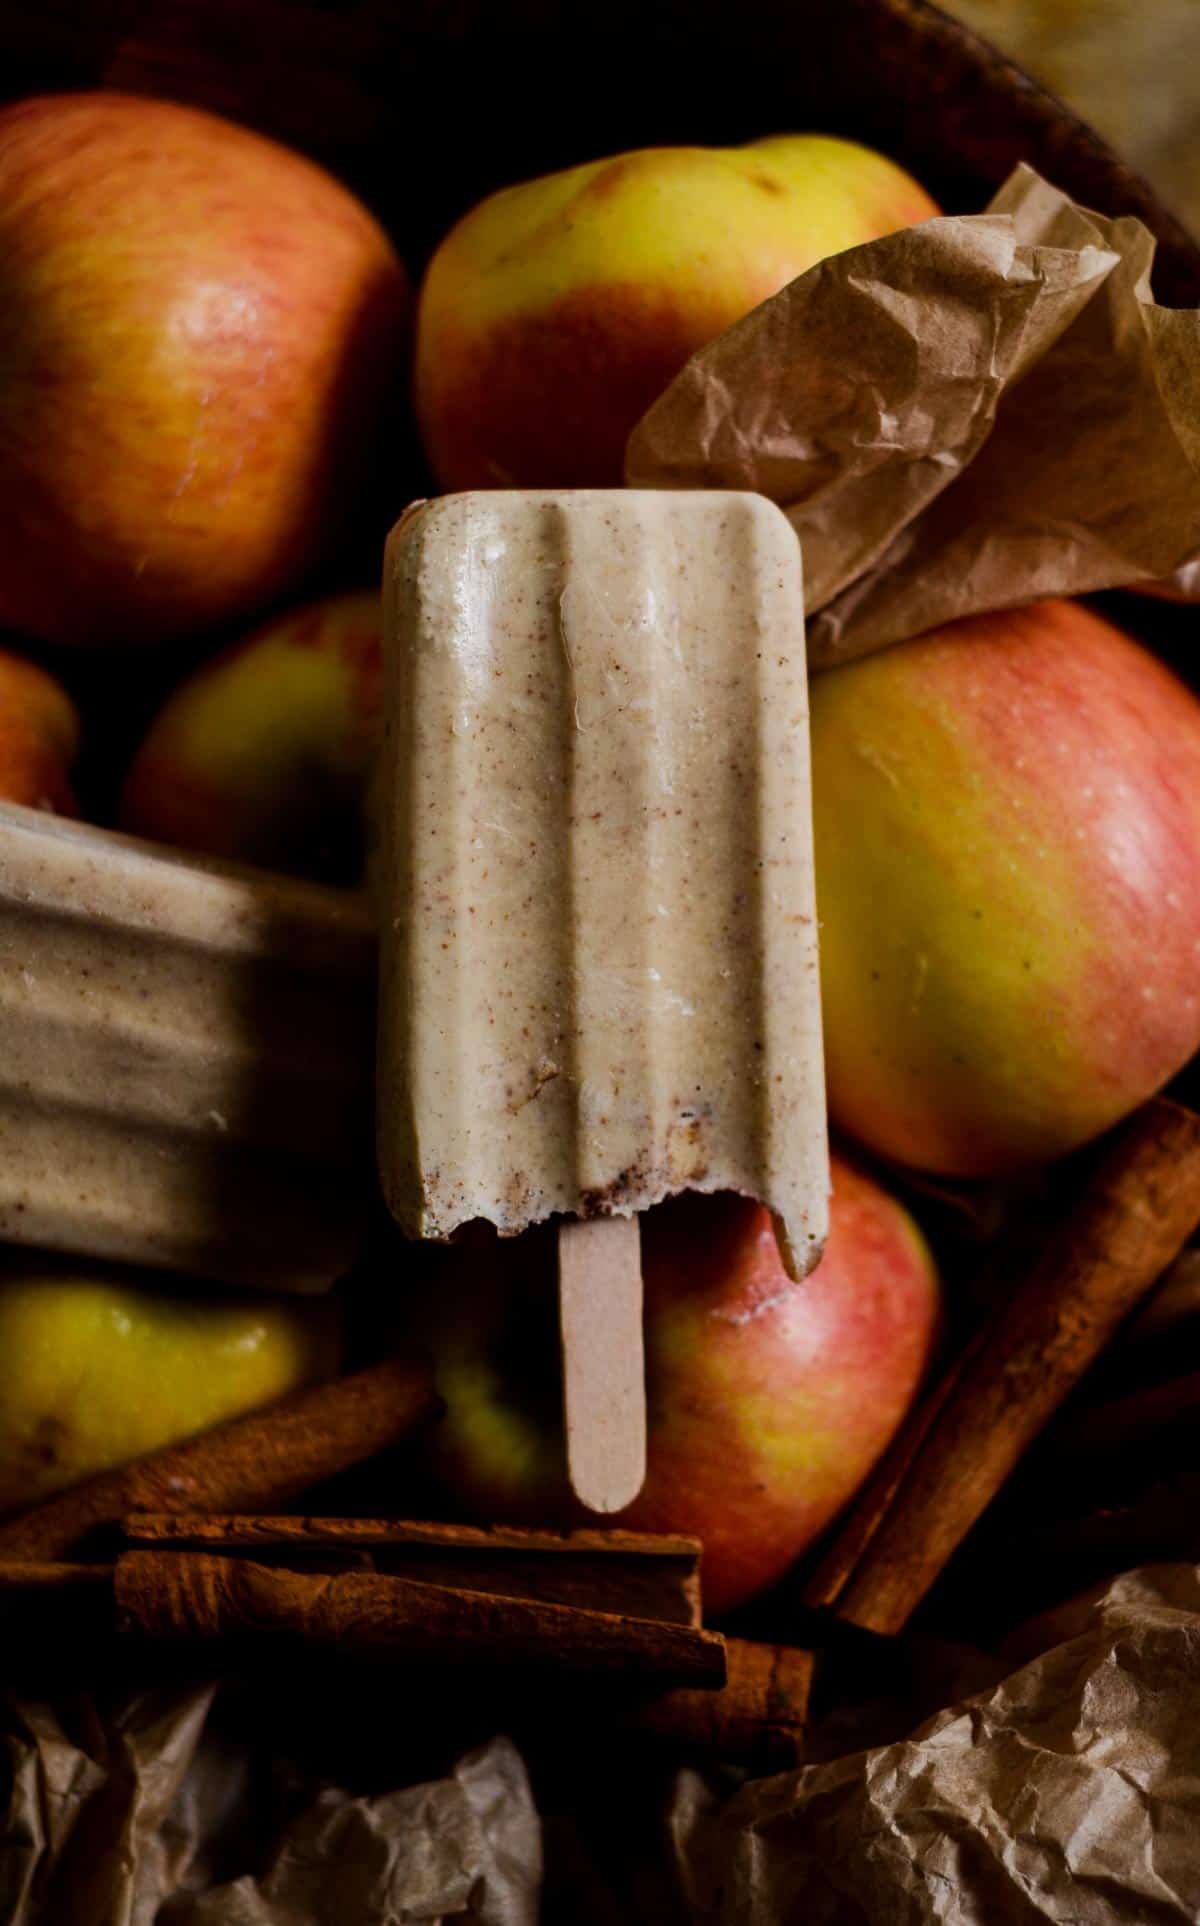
(1138, 1211)
(1024, 1565)
(636, 1573)
(758, 1716)
(1121, 1426)
(242, 1606)
(252, 1463)
(26, 1579)
(848, 1548)
(54, 1617)
(1172, 1308)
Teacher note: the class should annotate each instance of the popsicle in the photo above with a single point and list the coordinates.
(185, 1058)
(598, 950)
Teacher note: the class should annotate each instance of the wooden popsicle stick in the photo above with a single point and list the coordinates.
(604, 1378)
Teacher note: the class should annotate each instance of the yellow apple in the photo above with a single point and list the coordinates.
(96, 1369)
(262, 754)
(555, 312)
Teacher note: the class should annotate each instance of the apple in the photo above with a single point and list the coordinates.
(200, 333)
(555, 312)
(1007, 826)
(263, 753)
(96, 1369)
(39, 737)
(768, 1400)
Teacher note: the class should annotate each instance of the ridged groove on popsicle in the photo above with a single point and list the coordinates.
(98, 1021)
(603, 987)
(88, 874)
(689, 854)
(610, 851)
(463, 827)
(795, 1159)
(100, 1187)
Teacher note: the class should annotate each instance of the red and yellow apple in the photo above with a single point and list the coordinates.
(1007, 820)
(263, 753)
(199, 334)
(555, 312)
(39, 736)
(768, 1400)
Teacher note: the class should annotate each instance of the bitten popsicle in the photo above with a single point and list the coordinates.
(599, 953)
(185, 1054)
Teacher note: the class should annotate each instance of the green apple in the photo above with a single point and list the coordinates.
(96, 1369)
(263, 753)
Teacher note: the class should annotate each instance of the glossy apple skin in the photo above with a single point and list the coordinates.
(39, 737)
(96, 1368)
(263, 753)
(1007, 817)
(768, 1400)
(555, 312)
(198, 336)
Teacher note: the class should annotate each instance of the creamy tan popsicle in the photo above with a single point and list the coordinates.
(184, 1058)
(599, 966)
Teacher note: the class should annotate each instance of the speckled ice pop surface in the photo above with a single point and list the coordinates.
(184, 1058)
(599, 939)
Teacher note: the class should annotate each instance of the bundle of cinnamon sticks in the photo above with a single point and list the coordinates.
(189, 1548)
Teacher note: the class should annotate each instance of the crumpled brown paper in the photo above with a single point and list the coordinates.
(968, 414)
(1068, 1793)
(126, 1817)
(89, 1834)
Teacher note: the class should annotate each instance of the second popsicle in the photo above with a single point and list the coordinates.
(185, 1053)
